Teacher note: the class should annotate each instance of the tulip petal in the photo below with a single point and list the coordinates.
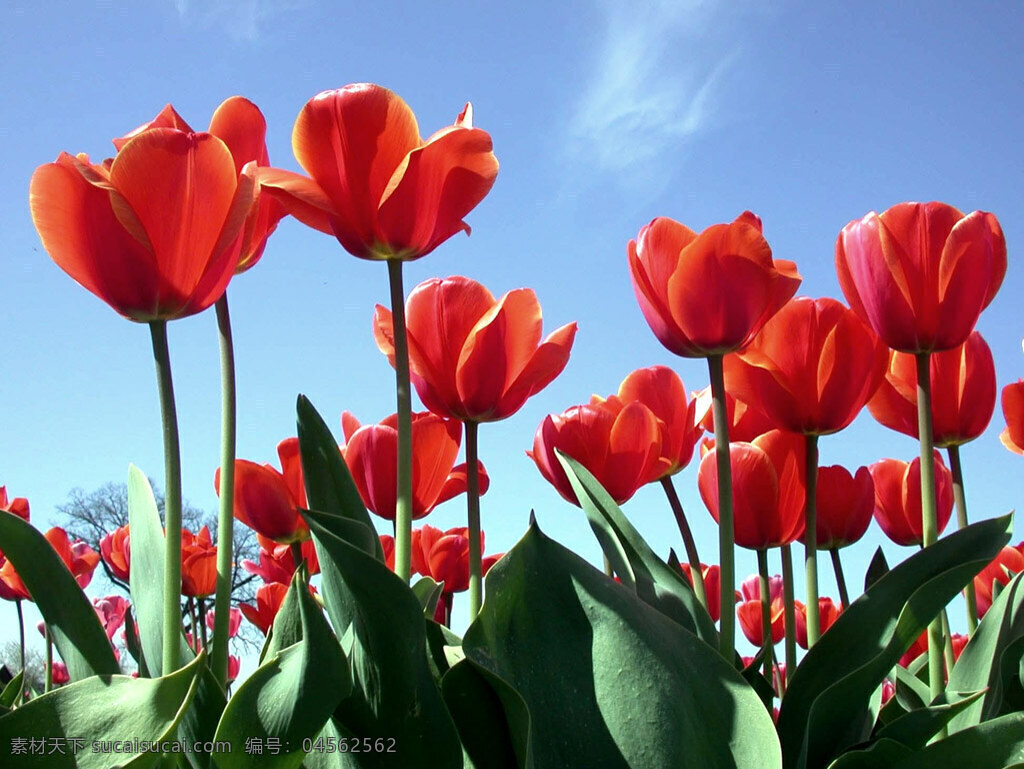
(300, 196)
(241, 126)
(547, 362)
(435, 444)
(1013, 412)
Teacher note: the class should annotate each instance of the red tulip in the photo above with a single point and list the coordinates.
(111, 611)
(1012, 435)
(898, 498)
(920, 646)
(921, 273)
(379, 188)
(708, 294)
(387, 544)
(155, 233)
(234, 621)
(473, 358)
(1004, 566)
(444, 556)
(845, 504)
(276, 563)
(750, 588)
(371, 452)
(963, 387)
(198, 563)
(619, 444)
(80, 559)
(661, 390)
(241, 126)
(767, 486)
(268, 501)
(810, 369)
(712, 581)
(746, 422)
(749, 615)
(60, 675)
(116, 552)
(828, 613)
(269, 598)
(17, 506)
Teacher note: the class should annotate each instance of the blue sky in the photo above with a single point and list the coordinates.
(603, 114)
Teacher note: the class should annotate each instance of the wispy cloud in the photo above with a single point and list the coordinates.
(653, 84)
(242, 19)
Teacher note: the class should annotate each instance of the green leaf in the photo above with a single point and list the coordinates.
(146, 576)
(428, 593)
(131, 642)
(381, 627)
(658, 585)
(992, 658)
(884, 754)
(610, 681)
(915, 728)
(74, 626)
(289, 697)
(828, 703)
(329, 485)
(481, 715)
(438, 638)
(877, 569)
(199, 722)
(11, 691)
(287, 626)
(101, 709)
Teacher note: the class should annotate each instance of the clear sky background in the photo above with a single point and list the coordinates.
(603, 115)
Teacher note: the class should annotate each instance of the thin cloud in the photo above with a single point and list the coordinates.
(654, 84)
(243, 20)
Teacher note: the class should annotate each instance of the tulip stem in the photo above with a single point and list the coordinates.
(172, 500)
(21, 639)
(476, 584)
(960, 497)
(726, 527)
(947, 646)
(608, 568)
(225, 516)
(811, 542)
(766, 611)
(837, 567)
(295, 548)
(403, 498)
(929, 514)
(48, 684)
(688, 542)
(790, 607)
(202, 622)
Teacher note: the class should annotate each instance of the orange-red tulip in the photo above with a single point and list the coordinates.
(746, 422)
(768, 489)
(749, 615)
(712, 581)
(155, 233)
(268, 501)
(920, 646)
(17, 506)
(921, 273)
(473, 358)
(444, 556)
(269, 598)
(1004, 566)
(963, 387)
(80, 559)
(371, 453)
(241, 126)
(276, 563)
(387, 544)
(810, 369)
(708, 294)
(379, 188)
(198, 563)
(1012, 435)
(828, 613)
(845, 504)
(619, 444)
(898, 498)
(115, 550)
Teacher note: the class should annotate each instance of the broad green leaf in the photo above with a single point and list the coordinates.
(481, 715)
(10, 692)
(915, 728)
(911, 691)
(103, 709)
(827, 707)
(199, 722)
(74, 626)
(658, 585)
(146, 577)
(877, 569)
(329, 485)
(381, 627)
(427, 592)
(992, 658)
(290, 696)
(286, 629)
(131, 642)
(884, 754)
(610, 681)
(438, 638)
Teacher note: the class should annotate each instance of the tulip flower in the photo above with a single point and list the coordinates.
(111, 610)
(268, 501)
(370, 452)
(827, 611)
(115, 551)
(1004, 566)
(277, 562)
(746, 421)
(711, 575)
(234, 621)
(376, 185)
(749, 615)
(921, 273)
(80, 559)
(198, 563)
(845, 503)
(898, 498)
(444, 557)
(269, 598)
(17, 506)
(750, 588)
(1012, 435)
(60, 673)
(387, 544)
(620, 444)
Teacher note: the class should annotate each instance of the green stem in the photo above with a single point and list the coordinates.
(447, 599)
(225, 516)
(295, 548)
(688, 541)
(766, 611)
(202, 623)
(837, 567)
(403, 503)
(21, 639)
(960, 497)
(48, 685)
(476, 583)
(726, 528)
(947, 646)
(172, 500)
(929, 515)
(790, 607)
(811, 542)
(608, 570)
(194, 619)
